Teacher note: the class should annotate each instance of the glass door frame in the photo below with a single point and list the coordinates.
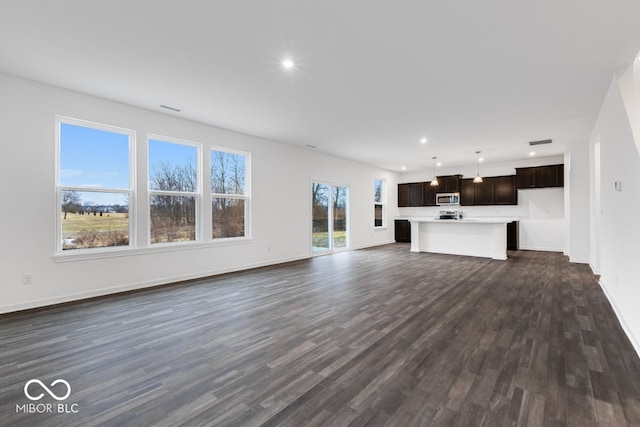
(330, 219)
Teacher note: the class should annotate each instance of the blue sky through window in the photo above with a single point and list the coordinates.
(166, 160)
(93, 158)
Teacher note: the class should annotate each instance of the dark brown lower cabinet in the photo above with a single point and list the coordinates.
(512, 236)
(403, 231)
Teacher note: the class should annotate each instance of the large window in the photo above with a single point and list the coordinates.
(94, 185)
(173, 190)
(379, 203)
(96, 192)
(229, 194)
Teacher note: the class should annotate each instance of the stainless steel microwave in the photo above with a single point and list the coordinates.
(447, 199)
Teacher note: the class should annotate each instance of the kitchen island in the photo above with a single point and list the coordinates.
(481, 237)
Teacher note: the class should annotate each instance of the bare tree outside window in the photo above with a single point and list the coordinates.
(228, 194)
(71, 202)
(173, 187)
(378, 203)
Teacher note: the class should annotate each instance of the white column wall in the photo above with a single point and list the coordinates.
(578, 214)
(619, 225)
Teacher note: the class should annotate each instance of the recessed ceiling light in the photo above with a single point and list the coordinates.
(423, 140)
(403, 168)
(439, 164)
(481, 159)
(533, 153)
(288, 63)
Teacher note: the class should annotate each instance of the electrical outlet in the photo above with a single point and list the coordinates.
(27, 279)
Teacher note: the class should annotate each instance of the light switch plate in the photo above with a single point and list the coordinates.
(618, 185)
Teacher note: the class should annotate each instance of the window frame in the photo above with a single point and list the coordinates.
(246, 196)
(140, 198)
(198, 236)
(59, 188)
(382, 203)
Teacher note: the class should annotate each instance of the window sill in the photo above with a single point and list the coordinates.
(89, 254)
(384, 227)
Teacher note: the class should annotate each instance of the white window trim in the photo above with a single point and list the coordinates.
(80, 253)
(139, 193)
(197, 194)
(347, 217)
(383, 203)
(246, 196)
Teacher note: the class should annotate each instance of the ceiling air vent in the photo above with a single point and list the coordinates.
(541, 142)
(177, 110)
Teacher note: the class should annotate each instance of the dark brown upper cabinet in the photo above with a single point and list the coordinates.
(448, 184)
(467, 192)
(428, 194)
(540, 177)
(417, 198)
(415, 194)
(404, 195)
(493, 190)
(504, 190)
(476, 194)
(484, 191)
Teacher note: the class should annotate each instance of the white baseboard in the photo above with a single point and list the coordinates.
(626, 328)
(137, 286)
(389, 242)
(579, 260)
(541, 249)
(595, 270)
(60, 299)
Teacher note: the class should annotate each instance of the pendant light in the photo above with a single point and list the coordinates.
(434, 181)
(478, 178)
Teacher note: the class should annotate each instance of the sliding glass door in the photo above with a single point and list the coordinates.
(329, 217)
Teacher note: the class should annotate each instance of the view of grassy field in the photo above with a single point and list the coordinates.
(91, 231)
(320, 239)
(112, 229)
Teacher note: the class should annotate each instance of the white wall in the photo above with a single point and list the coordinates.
(541, 210)
(577, 203)
(619, 225)
(280, 200)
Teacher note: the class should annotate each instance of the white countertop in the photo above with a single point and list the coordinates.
(470, 220)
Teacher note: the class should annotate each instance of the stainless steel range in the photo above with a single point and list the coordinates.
(450, 214)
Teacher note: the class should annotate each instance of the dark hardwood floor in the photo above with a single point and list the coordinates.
(371, 337)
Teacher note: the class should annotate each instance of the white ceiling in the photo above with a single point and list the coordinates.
(372, 77)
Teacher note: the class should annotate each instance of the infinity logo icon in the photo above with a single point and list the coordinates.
(52, 394)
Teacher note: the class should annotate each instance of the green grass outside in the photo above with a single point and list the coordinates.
(320, 239)
(76, 223)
